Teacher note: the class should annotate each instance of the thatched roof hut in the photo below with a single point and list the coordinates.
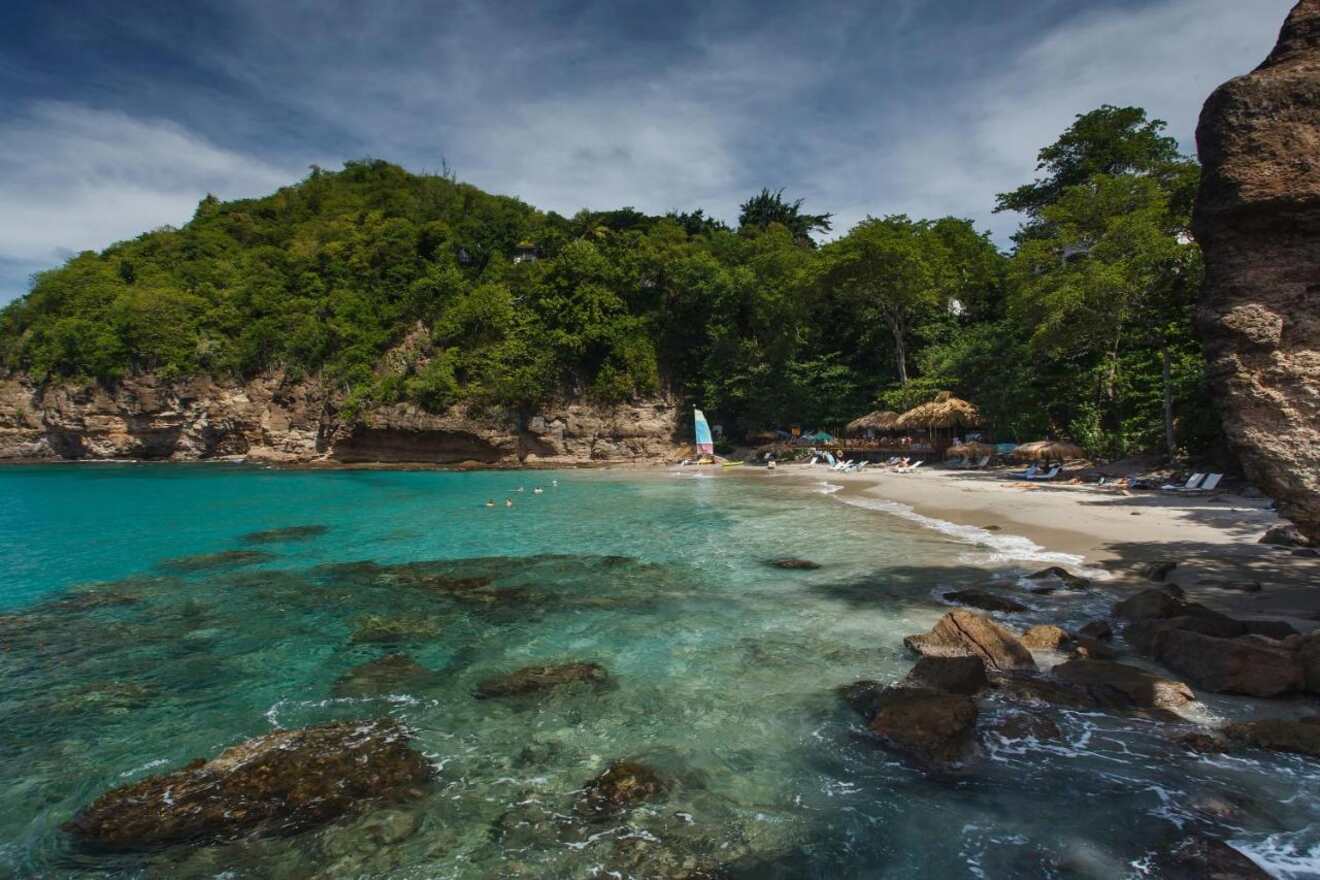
(945, 411)
(1048, 450)
(971, 450)
(880, 420)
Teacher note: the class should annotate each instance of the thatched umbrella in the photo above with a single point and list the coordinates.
(1048, 450)
(971, 450)
(880, 420)
(945, 411)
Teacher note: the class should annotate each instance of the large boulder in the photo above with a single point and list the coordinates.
(1149, 605)
(1046, 637)
(1120, 684)
(1257, 221)
(1298, 735)
(936, 729)
(1252, 666)
(964, 633)
(279, 783)
(953, 675)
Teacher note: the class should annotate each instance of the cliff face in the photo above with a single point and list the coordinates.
(269, 419)
(1258, 221)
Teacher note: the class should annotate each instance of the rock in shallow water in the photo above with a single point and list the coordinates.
(1203, 858)
(1298, 735)
(283, 782)
(953, 675)
(964, 633)
(534, 679)
(984, 600)
(390, 674)
(207, 561)
(795, 564)
(1137, 687)
(934, 728)
(623, 785)
(288, 533)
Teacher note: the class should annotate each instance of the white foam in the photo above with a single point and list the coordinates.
(1286, 856)
(999, 547)
(828, 488)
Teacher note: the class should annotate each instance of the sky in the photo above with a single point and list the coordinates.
(118, 117)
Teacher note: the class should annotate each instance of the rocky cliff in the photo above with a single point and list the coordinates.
(1258, 222)
(274, 420)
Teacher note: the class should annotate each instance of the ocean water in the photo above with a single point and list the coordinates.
(140, 628)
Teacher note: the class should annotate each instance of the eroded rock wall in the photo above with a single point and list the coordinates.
(271, 419)
(1258, 221)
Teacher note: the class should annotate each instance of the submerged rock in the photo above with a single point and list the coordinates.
(534, 679)
(279, 783)
(965, 633)
(1298, 735)
(1127, 684)
(390, 674)
(225, 559)
(288, 533)
(1076, 582)
(1045, 638)
(984, 600)
(937, 729)
(1027, 725)
(795, 564)
(622, 786)
(375, 629)
(1203, 858)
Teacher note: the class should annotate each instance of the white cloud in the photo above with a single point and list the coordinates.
(73, 178)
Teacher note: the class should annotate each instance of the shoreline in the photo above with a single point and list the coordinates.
(1214, 538)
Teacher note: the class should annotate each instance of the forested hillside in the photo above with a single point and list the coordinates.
(394, 286)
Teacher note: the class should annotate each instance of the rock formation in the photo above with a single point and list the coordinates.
(273, 419)
(279, 783)
(1257, 220)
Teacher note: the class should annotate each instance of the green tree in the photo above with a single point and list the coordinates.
(767, 208)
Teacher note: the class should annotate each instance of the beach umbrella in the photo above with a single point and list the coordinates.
(1048, 450)
(945, 411)
(880, 420)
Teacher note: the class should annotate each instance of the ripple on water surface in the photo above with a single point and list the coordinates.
(151, 631)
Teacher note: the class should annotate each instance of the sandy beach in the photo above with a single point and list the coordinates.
(1214, 538)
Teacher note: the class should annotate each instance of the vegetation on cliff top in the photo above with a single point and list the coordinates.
(397, 286)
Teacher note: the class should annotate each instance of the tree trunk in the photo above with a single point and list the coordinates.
(1168, 401)
(900, 349)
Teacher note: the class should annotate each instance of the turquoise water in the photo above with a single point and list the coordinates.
(129, 646)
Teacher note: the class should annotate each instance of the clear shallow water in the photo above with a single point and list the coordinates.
(723, 667)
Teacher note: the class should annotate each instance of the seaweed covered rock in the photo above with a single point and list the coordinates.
(964, 633)
(378, 629)
(1257, 220)
(622, 785)
(279, 783)
(285, 534)
(536, 679)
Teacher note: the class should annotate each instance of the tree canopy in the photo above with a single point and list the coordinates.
(391, 287)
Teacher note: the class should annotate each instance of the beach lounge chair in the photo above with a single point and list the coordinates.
(909, 468)
(1028, 474)
(1048, 475)
(1192, 482)
(982, 461)
(1211, 484)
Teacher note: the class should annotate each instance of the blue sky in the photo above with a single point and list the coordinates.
(119, 116)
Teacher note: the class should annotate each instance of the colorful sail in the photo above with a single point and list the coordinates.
(705, 444)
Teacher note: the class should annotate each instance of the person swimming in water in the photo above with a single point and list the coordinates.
(554, 482)
(508, 502)
(537, 491)
(490, 502)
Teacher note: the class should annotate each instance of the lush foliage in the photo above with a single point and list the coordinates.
(401, 287)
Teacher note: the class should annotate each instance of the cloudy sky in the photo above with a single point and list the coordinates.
(119, 116)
